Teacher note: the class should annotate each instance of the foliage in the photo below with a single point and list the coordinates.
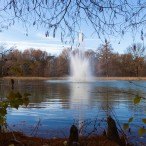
(144, 121)
(126, 125)
(104, 62)
(137, 52)
(142, 130)
(130, 120)
(14, 100)
(137, 99)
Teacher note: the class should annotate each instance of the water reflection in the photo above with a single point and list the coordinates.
(60, 103)
(79, 96)
(80, 100)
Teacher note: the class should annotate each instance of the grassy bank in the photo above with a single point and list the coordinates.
(34, 78)
(65, 78)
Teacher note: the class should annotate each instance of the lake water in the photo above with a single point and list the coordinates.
(56, 104)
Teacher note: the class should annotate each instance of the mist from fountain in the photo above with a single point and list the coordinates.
(80, 68)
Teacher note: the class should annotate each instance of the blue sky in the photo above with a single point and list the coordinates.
(16, 36)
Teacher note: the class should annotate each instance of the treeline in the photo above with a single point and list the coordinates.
(104, 62)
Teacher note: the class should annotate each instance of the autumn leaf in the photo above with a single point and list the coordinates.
(137, 99)
(130, 120)
(125, 126)
(144, 121)
(141, 131)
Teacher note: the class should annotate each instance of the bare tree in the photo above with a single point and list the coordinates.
(3, 52)
(104, 16)
(104, 54)
(137, 52)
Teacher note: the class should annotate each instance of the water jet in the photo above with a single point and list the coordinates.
(80, 70)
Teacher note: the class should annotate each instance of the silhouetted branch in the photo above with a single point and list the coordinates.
(106, 17)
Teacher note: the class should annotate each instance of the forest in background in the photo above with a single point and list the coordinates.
(104, 61)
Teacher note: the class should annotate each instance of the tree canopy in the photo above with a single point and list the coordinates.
(104, 16)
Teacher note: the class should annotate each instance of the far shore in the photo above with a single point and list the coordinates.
(65, 78)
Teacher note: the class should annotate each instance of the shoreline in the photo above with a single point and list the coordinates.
(65, 78)
(18, 138)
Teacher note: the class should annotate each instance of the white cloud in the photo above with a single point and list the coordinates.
(22, 45)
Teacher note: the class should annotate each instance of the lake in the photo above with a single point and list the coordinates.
(56, 104)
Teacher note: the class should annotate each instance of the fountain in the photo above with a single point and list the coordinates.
(80, 64)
